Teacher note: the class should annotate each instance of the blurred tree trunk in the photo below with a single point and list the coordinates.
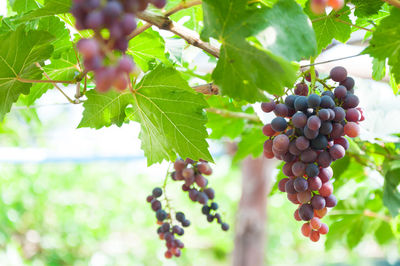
(251, 216)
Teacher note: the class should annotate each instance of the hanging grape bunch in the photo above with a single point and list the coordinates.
(308, 135)
(112, 23)
(167, 230)
(319, 6)
(195, 184)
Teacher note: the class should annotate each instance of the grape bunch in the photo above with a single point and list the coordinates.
(167, 230)
(308, 135)
(112, 22)
(318, 6)
(195, 184)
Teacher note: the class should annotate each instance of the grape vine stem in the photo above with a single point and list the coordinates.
(353, 25)
(179, 7)
(188, 35)
(208, 89)
(56, 86)
(225, 113)
(332, 60)
(395, 3)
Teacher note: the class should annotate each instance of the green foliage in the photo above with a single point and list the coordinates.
(366, 8)
(225, 125)
(148, 49)
(33, 46)
(244, 71)
(251, 144)
(286, 25)
(51, 8)
(385, 42)
(391, 194)
(105, 109)
(169, 111)
(172, 118)
(22, 6)
(329, 27)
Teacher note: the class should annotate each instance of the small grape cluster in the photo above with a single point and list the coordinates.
(310, 141)
(191, 173)
(112, 23)
(318, 6)
(167, 230)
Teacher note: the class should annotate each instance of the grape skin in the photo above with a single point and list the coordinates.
(314, 183)
(306, 212)
(338, 74)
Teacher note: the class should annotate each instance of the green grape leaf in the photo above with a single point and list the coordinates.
(252, 143)
(328, 27)
(192, 17)
(384, 233)
(19, 51)
(378, 69)
(357, 232)
(288, 32)
(169, 111)
(171, 117)
(50, 8)
(57, 28)
(391, 194)
(147, 49)
(366, 8)
(244, 71)
(385, 42)
(64, 68)
(105, 109)
(22, 6)
(222, 125)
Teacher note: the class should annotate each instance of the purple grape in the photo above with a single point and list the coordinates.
(268, 107)
(351, 101)
(340, 92)
(95, 20)
(348, 83)
(327, 102)
(319, 143)
(298, 169)
(324, 114)
(337, 131)
(281, 143)
(314, 183)
(308, 156)
(310, 134)
(306, 212)
(279, 124)
(293, 149)
(299, 120)
(331, 201)
(324, 159)
(325, 174)
(342, 141)
(312, 170)
(289, 187)
(339, 114)
(338, 74)
(281, 110)
(337, 151)
(300, 184)
(314, 123)
(318, 202)
(302, 143)
(128, 24)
